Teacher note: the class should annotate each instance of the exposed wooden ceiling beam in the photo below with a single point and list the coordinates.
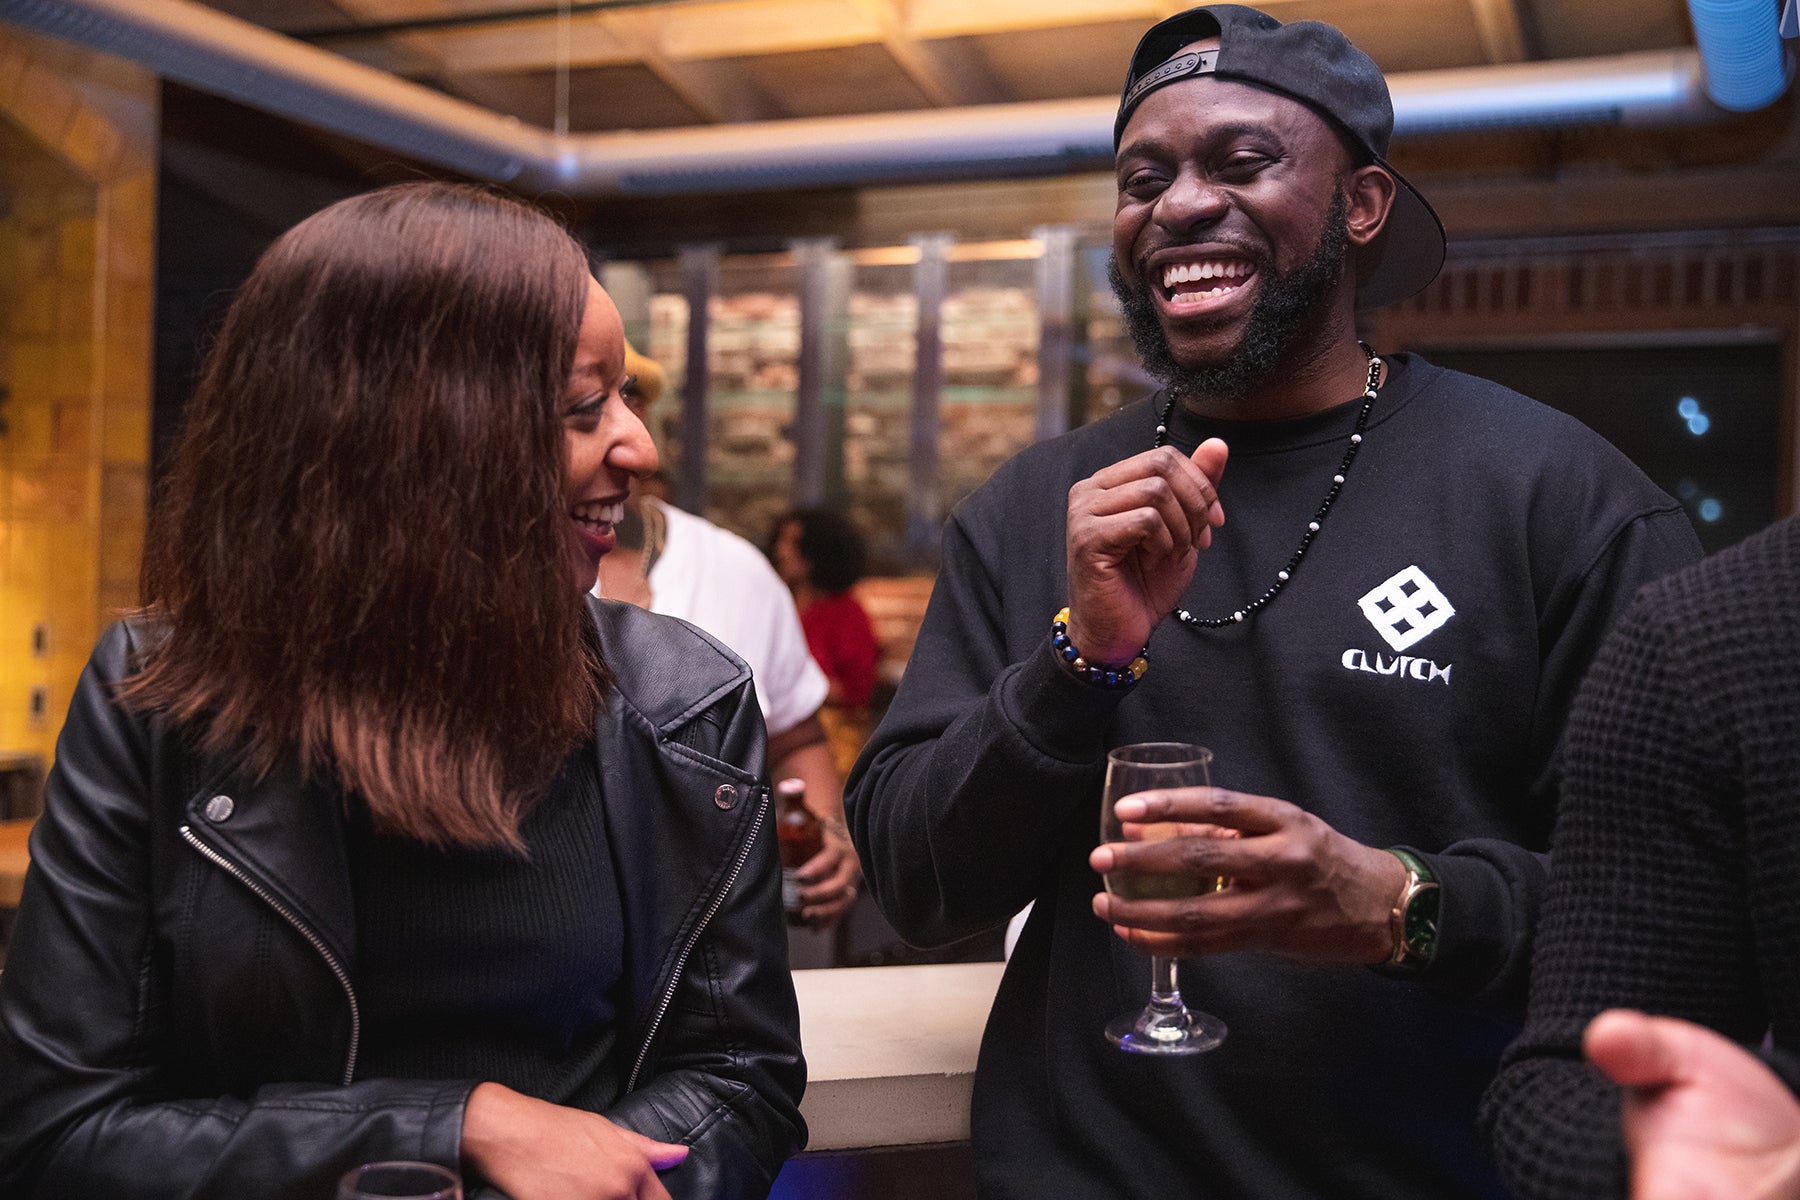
(965, 70)
(713, 90)
(919, 67)
(698, 31)
(959, 18)
(402, 54)
(1502, 32)
(529, 46)
(746, 28)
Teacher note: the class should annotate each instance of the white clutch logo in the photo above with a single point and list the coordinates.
(1406, 609)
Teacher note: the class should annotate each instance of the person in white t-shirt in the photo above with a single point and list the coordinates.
(673, 562)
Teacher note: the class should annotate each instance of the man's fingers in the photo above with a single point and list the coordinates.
(1191, 494)
(1149, 510)
(828, 865)
(831, 890)
(1210, 456)
(1242, 811)
(1164, 460)
(1635, 1049)
(1197, 858)
(1207, 924)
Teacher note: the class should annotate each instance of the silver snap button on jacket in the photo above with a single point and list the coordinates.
(219, 808)
(725, 796)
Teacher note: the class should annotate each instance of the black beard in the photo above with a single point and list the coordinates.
(1291, 305)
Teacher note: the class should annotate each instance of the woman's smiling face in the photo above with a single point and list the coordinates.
(605, 442)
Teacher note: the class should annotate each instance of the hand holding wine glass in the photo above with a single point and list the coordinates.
(1298, 887)
(1166, 1025)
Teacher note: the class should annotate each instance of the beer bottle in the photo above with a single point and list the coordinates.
(801, 835)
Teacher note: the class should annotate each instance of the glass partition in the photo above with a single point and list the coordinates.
(753, 352)
(655, 312)
(893, 439)
(1114, 376)
(881, 331)
(988, 409)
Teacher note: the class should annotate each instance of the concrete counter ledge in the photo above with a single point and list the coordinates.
(890, 1052)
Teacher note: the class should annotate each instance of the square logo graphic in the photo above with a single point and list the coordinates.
(1406, 608)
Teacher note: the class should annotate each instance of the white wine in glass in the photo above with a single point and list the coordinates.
(1166, 1025)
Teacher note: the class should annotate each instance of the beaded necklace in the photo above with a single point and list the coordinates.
(1312, 527)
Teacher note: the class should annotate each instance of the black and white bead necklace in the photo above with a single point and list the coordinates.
(1312, 527)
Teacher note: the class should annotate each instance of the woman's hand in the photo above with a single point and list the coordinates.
(534, 1150)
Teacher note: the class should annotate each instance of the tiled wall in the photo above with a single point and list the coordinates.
(77, 224)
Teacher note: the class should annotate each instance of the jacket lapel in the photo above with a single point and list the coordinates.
(288, 835)
(675, 817)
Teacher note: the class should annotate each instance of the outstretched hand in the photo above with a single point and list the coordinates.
(1702, 1118)
(1135, 532)
(1297, 886)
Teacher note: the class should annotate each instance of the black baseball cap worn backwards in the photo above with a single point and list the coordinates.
(1314, 64)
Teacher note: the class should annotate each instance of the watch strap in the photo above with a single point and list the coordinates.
(1414, 917)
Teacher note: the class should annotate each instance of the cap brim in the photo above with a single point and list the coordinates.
(1409, 253)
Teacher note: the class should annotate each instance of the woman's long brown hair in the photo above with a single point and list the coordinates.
(359, 554)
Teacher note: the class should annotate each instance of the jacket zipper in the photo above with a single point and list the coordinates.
(317, 943)
(668, 996)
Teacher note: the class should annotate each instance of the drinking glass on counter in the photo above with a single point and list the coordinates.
(1166, 1025)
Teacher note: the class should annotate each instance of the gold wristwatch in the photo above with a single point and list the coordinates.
(1414, 917)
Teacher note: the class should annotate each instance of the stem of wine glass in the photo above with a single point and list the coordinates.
(1165, 993)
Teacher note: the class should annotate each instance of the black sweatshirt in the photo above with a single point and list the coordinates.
(1677, 855)
(980, 790)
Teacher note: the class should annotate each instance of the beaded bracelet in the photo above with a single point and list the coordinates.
(1101, 675)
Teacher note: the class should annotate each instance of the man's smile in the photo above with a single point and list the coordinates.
(1194, 282)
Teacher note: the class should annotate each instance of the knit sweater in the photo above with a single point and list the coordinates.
(1676, 855)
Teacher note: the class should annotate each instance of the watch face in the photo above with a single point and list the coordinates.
(1420, 926)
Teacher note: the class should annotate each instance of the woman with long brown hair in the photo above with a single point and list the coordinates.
(370, 837)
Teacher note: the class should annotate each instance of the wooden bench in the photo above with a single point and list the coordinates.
(896, 605)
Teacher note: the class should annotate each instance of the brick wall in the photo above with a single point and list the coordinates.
(77, 222)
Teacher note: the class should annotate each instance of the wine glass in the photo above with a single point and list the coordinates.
(399, 1181)
(1166, 1025)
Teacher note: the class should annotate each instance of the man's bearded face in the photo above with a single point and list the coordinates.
(1291, 305)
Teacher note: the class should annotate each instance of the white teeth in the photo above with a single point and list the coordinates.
(599, 514)
(1192, 272)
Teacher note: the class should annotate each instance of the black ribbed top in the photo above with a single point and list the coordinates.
(476, 964)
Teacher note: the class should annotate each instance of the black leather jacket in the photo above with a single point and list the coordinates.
(178, 1016)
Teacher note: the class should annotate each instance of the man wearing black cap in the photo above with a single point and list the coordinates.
(1378, 645)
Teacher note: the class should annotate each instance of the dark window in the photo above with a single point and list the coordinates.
(1703, 421)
